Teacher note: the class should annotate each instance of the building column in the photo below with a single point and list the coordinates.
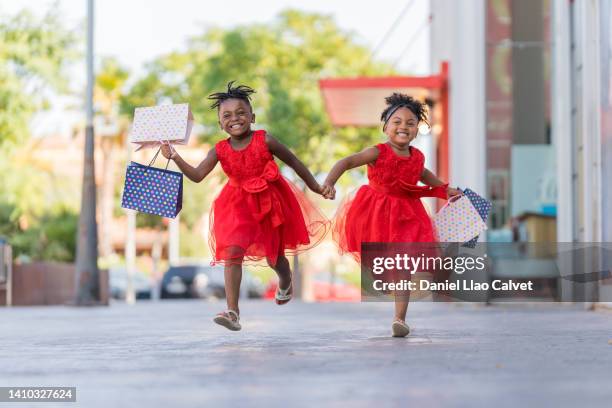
(467, 96)
(587, 150)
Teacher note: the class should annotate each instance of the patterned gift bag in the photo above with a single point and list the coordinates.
(458, 221)
(155, 124)
(152, 190)
(483, 206)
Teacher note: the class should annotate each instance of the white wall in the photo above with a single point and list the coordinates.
(458, 36)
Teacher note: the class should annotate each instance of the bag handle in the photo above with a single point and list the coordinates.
(451, 201)
(155, 157)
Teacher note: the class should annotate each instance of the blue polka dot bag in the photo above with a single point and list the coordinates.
(153, 190)
(483, 206)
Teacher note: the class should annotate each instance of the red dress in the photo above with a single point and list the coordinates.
(259, 213)
(388, 209)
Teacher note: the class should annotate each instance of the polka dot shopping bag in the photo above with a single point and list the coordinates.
(483, 206)
(154, 124)
(153, 190)
(458, 221)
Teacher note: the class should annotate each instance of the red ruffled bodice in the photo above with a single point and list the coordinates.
(388, 208)
(259, 214)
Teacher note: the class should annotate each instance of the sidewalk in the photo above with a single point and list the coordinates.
(170, 354)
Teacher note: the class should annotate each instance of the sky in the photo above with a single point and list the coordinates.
(137, 31)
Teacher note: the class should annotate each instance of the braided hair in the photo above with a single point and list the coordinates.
(242, 92)
(399, 100)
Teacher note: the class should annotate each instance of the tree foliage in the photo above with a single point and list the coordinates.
(283, 61)
(34, 55)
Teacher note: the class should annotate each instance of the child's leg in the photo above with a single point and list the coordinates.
(401, 298)
(400, 328)
(233, 277)
(401, 307)
(283, 270)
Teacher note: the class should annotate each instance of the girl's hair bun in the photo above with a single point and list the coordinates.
(399, 100)
(242, 92)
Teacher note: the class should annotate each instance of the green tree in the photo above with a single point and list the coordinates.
(34, 55)
(109, 83)
(283, 61)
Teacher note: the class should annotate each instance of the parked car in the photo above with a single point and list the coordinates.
(204, 282)
(143, 287)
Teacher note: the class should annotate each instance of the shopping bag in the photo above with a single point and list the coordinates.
(164, 123)
(458, 221)
(483, 206)
(153, 190)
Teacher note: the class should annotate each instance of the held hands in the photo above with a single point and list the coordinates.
(328, 191)
(325, 190)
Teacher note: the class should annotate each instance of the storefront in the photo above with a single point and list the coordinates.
(530, 102)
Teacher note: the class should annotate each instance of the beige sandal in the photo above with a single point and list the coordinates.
(228, 319)
(399, 328)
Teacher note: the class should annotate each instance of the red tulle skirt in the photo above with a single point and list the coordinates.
(271, 219)
(373, 216)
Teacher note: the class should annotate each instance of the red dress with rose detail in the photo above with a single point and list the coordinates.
(388, 208)
(259, 213)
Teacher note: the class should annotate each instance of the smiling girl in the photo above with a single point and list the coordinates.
(258, 213)
(388, 208)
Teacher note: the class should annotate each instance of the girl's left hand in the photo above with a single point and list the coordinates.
(452, 192)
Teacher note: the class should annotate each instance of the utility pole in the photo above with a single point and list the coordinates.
(87, 279)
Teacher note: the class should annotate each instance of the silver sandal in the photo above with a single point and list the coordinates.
(283, 296)
(399, 329)
(228, 319)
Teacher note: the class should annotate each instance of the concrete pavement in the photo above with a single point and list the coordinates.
(170, 354)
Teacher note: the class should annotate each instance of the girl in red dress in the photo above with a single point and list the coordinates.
(258, 214)
(388, 208)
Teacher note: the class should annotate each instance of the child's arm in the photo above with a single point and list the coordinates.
(427, 177)
(367, 155)
(196, 174)
(280, 150)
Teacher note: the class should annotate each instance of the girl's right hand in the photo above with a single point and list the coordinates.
(168, 151)
(452, 192)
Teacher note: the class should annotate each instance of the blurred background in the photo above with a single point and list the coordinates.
(518, 93)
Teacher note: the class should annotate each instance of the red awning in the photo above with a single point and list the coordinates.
(360, 101)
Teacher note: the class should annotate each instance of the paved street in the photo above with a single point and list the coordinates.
(170, 354)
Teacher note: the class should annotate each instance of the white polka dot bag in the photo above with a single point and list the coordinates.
(458, 221)
(155, 124)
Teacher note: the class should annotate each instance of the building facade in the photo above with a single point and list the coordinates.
(531, 110)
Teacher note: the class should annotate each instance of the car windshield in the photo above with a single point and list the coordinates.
(186, 272)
